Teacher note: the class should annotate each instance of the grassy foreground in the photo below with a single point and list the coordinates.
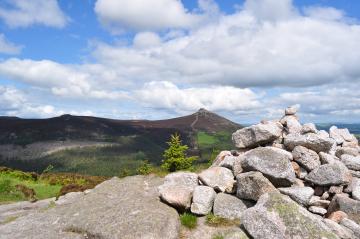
(16, 185)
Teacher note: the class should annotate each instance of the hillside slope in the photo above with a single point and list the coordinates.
(99, 146)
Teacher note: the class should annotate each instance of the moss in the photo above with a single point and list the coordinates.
(216, 221)
(9, 219)
(292, 217)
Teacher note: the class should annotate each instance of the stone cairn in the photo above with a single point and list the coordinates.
(285, 180)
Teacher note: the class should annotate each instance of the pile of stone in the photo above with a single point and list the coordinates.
(285, 180)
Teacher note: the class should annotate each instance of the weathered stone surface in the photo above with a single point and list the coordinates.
(219, 178)
(257, 134)
(318, 210)
(350, 206)
(307, 158)
(336, 189)
(276, 216)
(181, 178)
(312, 141)
(318, 202)
(300, 195)
(337, 216)
(291, 124)
(355, 173)
(355, 189)
(229, 162)
(127, 208)
(346, 150)
(308, 128)
(351, 162)
(221, 157)
(291, 110)
(228, 206)
(340, 231)
(342, 136)
(274, 163)
(327, 158)
(203, 200)
(330, 174)
(323, 133)
(351, 225)
(252, 185)
(296, 168)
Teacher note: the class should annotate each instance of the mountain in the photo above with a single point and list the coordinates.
(15, 130)
(92, 145)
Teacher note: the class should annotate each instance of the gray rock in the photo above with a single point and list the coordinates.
(351, 162)
(343, 203)
(336, 189)
(340, 231)
(291, 110)
(330, 174)
(308, 128)
(236, 235)
(181, 178)
(327, 158)
(323, 134)
(318, 210)
(291, 123)
(312, 141)
(276, 216)
(274, 163)
(342, 136)
(228, 206)
(229, 162)
(318, 202)
(307, 158)
(346, 150)
(127, 208)
(257, 134)
(178, 188)
(220, 157)
(354, 182)
(355, 189)
(355, 173)
(219, 178)
(203, 200)
(352, 226)
(301, 195)
(252, 185)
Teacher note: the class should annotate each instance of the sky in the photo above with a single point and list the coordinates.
(244, 59)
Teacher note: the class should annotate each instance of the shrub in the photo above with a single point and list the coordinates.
(175, 157)
(48, 169)
(5, 186)
(145, 169)
(188, 220)
(124, 173)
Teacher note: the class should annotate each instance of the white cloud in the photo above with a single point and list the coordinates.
(22, 13)
(7, 47)
(146, 40)
(144, 15)
(166, 95)
(324, 13)
(270, 10)
(62, 80)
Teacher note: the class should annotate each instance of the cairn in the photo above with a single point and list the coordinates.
(285, 180)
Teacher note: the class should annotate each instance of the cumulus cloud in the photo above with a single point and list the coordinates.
(166, 95)
(20, 13)
(7, 47)
(62, 80)
(270, 10)
(144, 15)
(146, 40)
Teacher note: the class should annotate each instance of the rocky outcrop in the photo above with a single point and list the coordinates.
(228, 206)
(127, 208)
(219, 178)
(276, 216)
(202, 200)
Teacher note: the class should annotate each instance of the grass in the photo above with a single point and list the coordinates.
(218, 237)
(45, 186)
(188, 220)
(216, 221)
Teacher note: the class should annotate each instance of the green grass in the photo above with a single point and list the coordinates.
(188, 220)
(216, 221)
(204, 138)
(10, 194)
(218, 237)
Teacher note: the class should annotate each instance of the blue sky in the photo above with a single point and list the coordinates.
(155, 59)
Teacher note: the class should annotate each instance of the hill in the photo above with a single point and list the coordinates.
(108, 147)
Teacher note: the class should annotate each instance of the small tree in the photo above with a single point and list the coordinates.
(145, 169)
(175, 157)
